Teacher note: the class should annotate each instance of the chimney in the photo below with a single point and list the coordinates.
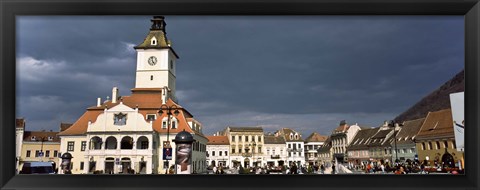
(99, 102)
(114, 94)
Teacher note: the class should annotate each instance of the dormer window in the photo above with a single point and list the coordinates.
(291, 136)
(151, 117)
(296, 136)
(50, 138)
(33, 138)
(174, 124)
(120, 119)
(154, 41)
(164, 123)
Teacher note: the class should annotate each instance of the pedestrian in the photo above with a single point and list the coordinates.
(214, 169)
(293, 169)
(322, 169)
(333, 169)
(382, 167)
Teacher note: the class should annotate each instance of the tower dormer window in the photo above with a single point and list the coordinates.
(171, 64)
(154, 41)
(151, 77)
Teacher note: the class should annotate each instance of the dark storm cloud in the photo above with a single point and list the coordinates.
(312, 71)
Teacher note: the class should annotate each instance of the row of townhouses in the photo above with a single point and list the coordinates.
(428, 140)
(250, 146)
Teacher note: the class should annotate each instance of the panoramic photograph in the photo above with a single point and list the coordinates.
(233, 95)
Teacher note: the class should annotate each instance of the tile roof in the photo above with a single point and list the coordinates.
(409, 129)
(382, 138)
(270, 139)
(381, 134)
(148, 103)
(27, 136)
(143, 99)
(327, 145)
(437, 125)
(20, 123)
(361, 138)
(246, 129)
(218, 140)
(315, 137)
(285, 133)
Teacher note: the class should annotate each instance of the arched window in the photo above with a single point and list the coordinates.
(174, 123)
(95, 143)
(126, 143)
(111, 143)
(142, 142)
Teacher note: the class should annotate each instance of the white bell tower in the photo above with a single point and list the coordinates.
(156, 59)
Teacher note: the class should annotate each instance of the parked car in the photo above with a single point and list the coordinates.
(37, 168)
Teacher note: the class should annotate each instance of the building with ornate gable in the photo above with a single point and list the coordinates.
(128, 134)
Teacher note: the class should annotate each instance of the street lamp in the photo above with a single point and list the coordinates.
(395, 140)
(253, 153)
(41, 154)
(173, 109)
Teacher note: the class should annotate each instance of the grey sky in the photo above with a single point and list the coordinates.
(302, 72)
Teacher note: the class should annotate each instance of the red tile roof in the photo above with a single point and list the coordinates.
(148, 102)
(218, 140)
(27, 136)
(315, 137)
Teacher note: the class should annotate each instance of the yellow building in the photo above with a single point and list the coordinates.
(40, 146)
(435, 141)
(246, 145)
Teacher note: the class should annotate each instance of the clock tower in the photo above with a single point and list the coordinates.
(156, 59)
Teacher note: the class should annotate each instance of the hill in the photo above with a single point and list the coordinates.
(437, 100)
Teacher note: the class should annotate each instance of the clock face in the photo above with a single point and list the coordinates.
(152, 60)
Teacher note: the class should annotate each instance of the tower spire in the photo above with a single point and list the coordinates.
(158, 23)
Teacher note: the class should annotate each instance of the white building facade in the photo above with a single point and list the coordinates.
(341, 138)
(295, 144)
(134, 134)
(275, 151)
(218, 151)
(312, 143)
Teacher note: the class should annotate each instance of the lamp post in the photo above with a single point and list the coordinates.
(246, 155)
(395, 140)
(169, 110)
(41, 154)
(253, 153)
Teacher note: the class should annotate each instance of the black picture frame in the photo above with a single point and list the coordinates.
(10, 8)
